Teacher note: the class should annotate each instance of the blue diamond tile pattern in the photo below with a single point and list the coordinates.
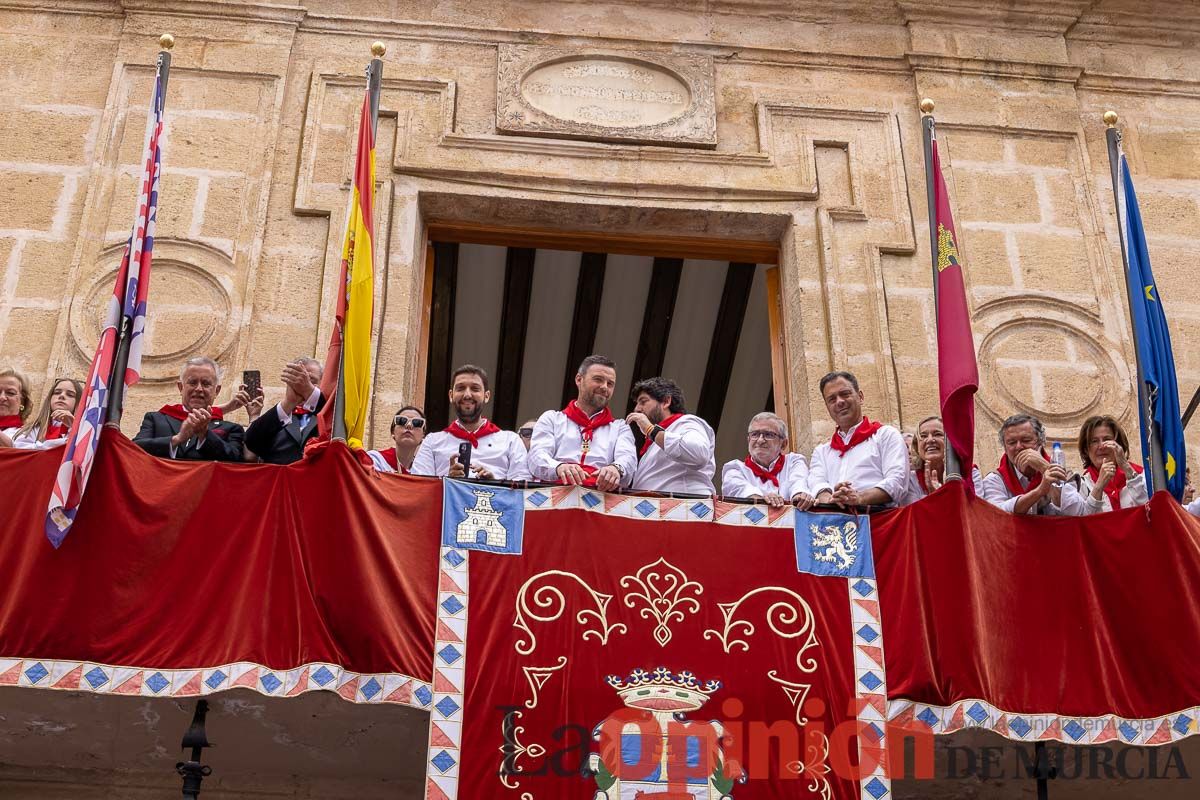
(876, 733)
(978, 713)
(1074, 730)
(863, 588)
(645, 508)
(36, 672)
(876, 788)
(1021, 726)
(538, 499)
(754, 515)
(449, 654)
(452, 605)
(453, 558)
(446, 706)
(216, 679)
(871, 681)
(590, 500)
(1183, 724)
(424, 695)
(157, 682)
(700, 510)
(270, 682)
(867, 634)
(1128, 731)
(443, 761)
(96, 677)
(928, 717)
(322, 676)
(371, 688)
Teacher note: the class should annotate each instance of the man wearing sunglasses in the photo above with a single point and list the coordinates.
(583, 445)
(767, 472)
(408, 431)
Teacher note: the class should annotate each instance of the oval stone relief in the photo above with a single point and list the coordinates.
(606, 91)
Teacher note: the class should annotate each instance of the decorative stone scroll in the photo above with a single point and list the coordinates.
(606, 96)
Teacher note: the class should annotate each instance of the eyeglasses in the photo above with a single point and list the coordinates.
(416, 423)
(525, 433)
(768, 435)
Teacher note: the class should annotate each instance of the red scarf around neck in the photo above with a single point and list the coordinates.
(865, 430)
(1114, 487)
(389, 456)
(11, 421)
(1012, 482)
(767, 475)
(177, 411)
(666, 423)
(920, 471)
(459, 432)
(587, 425)
(56, 430)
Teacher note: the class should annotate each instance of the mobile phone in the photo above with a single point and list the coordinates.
(464, 458)
(252, 380)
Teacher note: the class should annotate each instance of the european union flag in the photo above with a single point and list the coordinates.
(1159, 406)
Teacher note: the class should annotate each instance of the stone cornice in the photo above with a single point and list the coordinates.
(1057, 73)
(254, 12)
(107, 8)
(1124, 84)
(1159, 25)
(1035, 16)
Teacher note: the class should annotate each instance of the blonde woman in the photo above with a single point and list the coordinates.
(53, 422)
(16, 404)
(928, 461)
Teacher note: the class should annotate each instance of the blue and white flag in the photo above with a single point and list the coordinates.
(836, 545)
(488, 518)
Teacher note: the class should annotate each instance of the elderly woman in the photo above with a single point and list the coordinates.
(16, 404)
(928, 461)
(1109, 480)
(52, 424)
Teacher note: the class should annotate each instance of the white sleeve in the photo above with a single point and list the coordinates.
(688, 443)
(1193, 507)
(1071, 503)
(518, 460)
(996, 493)
(734, 483)
(29, 441)
(625, 452)
(893, 458)
(977, 480)
(1136, 486)
(817, 479)
(541, 461)
(797, 475)
(285, 418)
(379, 462)
(912, 491)
(423, 461)
(1091, 505)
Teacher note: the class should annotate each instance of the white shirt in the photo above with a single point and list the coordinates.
(501, 453)
(558, 440)
(1193, 507)
(913, 491)
(996, 493)
(29, 441)
(1133, 493)
(311, 404)
(880, 462)
(685, 462)
(737, 480)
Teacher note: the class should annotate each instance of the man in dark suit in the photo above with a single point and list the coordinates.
(279, 435)
(193, 430)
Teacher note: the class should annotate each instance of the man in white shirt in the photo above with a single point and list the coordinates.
(278, 436)
(864, 463)
(1026, 482)
(495, 454)
(583, 445)
(678, 452)
(767, 472)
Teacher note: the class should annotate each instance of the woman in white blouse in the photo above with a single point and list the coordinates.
(53, 422)
(1109, 480)
(16, 404)
(928, 461)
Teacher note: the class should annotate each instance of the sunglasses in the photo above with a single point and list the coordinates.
(525, 433)
(416, 423)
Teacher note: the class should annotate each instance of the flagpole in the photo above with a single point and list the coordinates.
(952, 470)
(374, 84)
(116, 380)
(1158, 470)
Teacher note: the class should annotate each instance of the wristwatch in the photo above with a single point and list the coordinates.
(655, 431)
(620, 470)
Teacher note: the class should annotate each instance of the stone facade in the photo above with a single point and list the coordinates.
(817, 147)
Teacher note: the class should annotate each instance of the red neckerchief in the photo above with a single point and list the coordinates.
(1013, 483)
(177, 411)
(771, 474)
(301, 411)
(587, 425)
(666, 423)
(865, 430)
(56, 430)
(389, 456)
(1114, 487)
(11, 421)
(486, 429)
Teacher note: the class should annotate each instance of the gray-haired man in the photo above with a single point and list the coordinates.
(192, 429)
(1026, 482)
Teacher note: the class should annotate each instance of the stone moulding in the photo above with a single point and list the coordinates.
(636, 96)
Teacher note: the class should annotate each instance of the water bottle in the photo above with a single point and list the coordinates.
(1057, 458)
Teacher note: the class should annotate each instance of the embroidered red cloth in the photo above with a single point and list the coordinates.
(11, 421)
(771, 474)
(865, 430)
(666, 423)
(486, 429)
(1114, 487)
(177, 411)
(1012, 483)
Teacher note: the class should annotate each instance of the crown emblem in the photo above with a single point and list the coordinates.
(662, 690)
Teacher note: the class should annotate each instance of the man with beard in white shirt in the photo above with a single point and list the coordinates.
(583, 445)
(495, 454)
(767, 472)
(678, 451)
(864, 463)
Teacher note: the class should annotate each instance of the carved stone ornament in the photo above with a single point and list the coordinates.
(606, 96)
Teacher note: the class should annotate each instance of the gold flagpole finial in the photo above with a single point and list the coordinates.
(378, 49)
(926, 106)
(166, 41)
(1110, 119)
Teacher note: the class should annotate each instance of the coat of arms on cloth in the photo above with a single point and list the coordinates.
(650, 749)
(834, 544)
(488, 518)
